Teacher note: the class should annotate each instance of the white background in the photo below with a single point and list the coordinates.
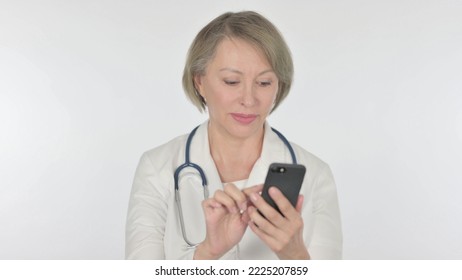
(87, 86)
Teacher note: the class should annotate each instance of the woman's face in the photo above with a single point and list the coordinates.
(239, 87)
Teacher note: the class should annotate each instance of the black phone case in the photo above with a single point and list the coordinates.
(288, 178)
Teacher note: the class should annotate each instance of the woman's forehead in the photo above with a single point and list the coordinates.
(233, 54)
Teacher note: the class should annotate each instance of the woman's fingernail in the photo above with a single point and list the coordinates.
(254, 197)
(273, 191)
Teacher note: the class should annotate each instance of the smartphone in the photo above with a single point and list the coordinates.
(288, 178)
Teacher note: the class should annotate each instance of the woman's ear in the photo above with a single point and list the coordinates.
(198, 84)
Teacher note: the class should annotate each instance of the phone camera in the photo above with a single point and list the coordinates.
(278, 169)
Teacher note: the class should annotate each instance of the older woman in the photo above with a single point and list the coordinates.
(198, 196)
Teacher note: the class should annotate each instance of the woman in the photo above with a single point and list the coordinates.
(239, 70)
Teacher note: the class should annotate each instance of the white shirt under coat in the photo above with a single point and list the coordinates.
(153, 228)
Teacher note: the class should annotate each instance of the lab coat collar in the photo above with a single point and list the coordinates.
(273, 150)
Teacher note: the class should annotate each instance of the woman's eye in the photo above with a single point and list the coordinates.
(231, 82)
(264, 83)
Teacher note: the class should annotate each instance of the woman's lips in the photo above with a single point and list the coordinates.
(244, 118)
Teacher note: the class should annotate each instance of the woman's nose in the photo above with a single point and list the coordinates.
(248, 96)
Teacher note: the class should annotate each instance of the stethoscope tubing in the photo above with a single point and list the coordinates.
(188, 163)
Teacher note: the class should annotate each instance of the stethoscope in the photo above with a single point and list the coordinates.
(188, 163)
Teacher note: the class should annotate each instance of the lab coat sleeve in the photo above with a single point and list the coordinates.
(147, 214)
(326, 240)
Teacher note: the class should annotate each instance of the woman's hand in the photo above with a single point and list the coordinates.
(283, 234)
(226, 222)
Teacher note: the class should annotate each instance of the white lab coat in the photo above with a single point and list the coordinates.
(153, 229)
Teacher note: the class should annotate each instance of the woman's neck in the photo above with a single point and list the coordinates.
(234, 157)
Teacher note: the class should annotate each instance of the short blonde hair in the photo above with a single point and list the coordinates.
(250, 27)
